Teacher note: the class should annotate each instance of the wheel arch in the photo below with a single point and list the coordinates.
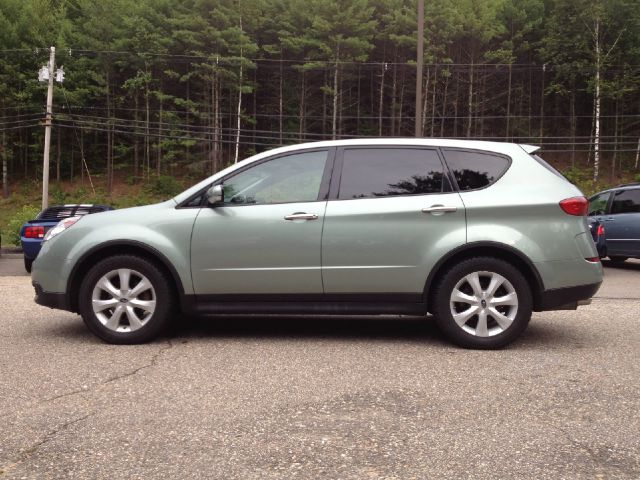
(488, 249)
(119, 247)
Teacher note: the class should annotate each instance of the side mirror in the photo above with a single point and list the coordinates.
(215, 195)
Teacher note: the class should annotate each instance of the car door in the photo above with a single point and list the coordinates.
(265, 236)
(391, 216)
(622, 225)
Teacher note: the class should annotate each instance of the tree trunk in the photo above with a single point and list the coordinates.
(237, 149)
(637, 154)
(394, 84)
(596, 138)
(334, 117)
(109, 144)
(615, 140)
(136, 158)
(5, 178)
(301, 111)
(217, 122)
(507, 131)
(159, 158)
(58, 155)
(400, 105)
(541, 139)
(424, 102)
(433, 100)
(358, 103)
(281, 105)
(444, 105)
(470, 101)
(381, 98)
(573, 127)
(147, 146)
(455, 107)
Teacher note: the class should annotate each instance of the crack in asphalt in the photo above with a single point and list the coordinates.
(30, 451)
(25, 454)
(151, 363)
(576, 443)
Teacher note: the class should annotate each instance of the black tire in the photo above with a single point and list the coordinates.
(618, 259)
(443, 308)
(164, 300)
(28, 262)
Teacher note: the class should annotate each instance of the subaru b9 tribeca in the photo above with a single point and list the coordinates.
(479, 234)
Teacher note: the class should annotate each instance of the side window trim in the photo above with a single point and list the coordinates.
(474, 150)
(336, 178)
(324, 183)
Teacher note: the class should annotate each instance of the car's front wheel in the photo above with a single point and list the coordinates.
(126, 299)
(28, 263)
(482, 303)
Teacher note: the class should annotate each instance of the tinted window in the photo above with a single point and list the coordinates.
(294, 178)
(475, 169)
(626, 201)
(383, 172)
(598, 203)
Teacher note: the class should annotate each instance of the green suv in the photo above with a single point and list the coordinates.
(479, 234)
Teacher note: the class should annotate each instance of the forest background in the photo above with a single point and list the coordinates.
(160, 93)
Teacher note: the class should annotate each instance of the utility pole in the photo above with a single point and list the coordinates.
(47, 130)
(419, 67)
(46, 74)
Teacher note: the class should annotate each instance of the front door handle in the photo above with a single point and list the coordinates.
(439, 209)
(301, 216)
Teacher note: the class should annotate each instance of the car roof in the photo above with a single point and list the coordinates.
(499, 147)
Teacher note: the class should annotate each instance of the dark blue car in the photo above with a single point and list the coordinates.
(33, 232)
(614, 219)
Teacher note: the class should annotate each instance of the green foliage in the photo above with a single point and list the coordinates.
(637, 178)
(12, 231)
(58, 195)
(165, 186)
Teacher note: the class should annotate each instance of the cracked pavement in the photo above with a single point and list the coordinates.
(352, 398)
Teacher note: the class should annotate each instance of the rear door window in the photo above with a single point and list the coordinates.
(473, 170)
(598, 203)
(626, 201)
(385, 172)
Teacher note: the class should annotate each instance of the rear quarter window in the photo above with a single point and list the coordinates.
(474, 170)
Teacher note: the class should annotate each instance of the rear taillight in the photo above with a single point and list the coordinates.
(34, 232)
(578, 206)
(593, 259)
(600, 231)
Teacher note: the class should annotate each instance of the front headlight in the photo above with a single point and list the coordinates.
(60, 227)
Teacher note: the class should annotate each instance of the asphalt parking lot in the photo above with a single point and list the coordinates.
(255, 398)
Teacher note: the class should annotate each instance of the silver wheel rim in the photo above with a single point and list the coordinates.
(123, 300)
(484, 304)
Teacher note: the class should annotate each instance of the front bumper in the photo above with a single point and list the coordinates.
(49, 299)
(568, 298)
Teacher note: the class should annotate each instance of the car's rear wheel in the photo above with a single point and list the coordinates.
(28, 262)
(618, 259)
(482, 303)
(126, 299)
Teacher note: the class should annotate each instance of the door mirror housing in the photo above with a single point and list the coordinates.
(215, 195)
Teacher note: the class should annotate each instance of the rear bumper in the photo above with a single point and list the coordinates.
(568, 298)
(49, 299)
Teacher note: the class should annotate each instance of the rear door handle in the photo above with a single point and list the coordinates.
(439, 209)
(301, 216)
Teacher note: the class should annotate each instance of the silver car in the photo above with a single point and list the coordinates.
(479, 234)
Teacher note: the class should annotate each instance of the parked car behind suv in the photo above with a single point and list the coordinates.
(33, 231)
(480, 234)
(614, 218)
